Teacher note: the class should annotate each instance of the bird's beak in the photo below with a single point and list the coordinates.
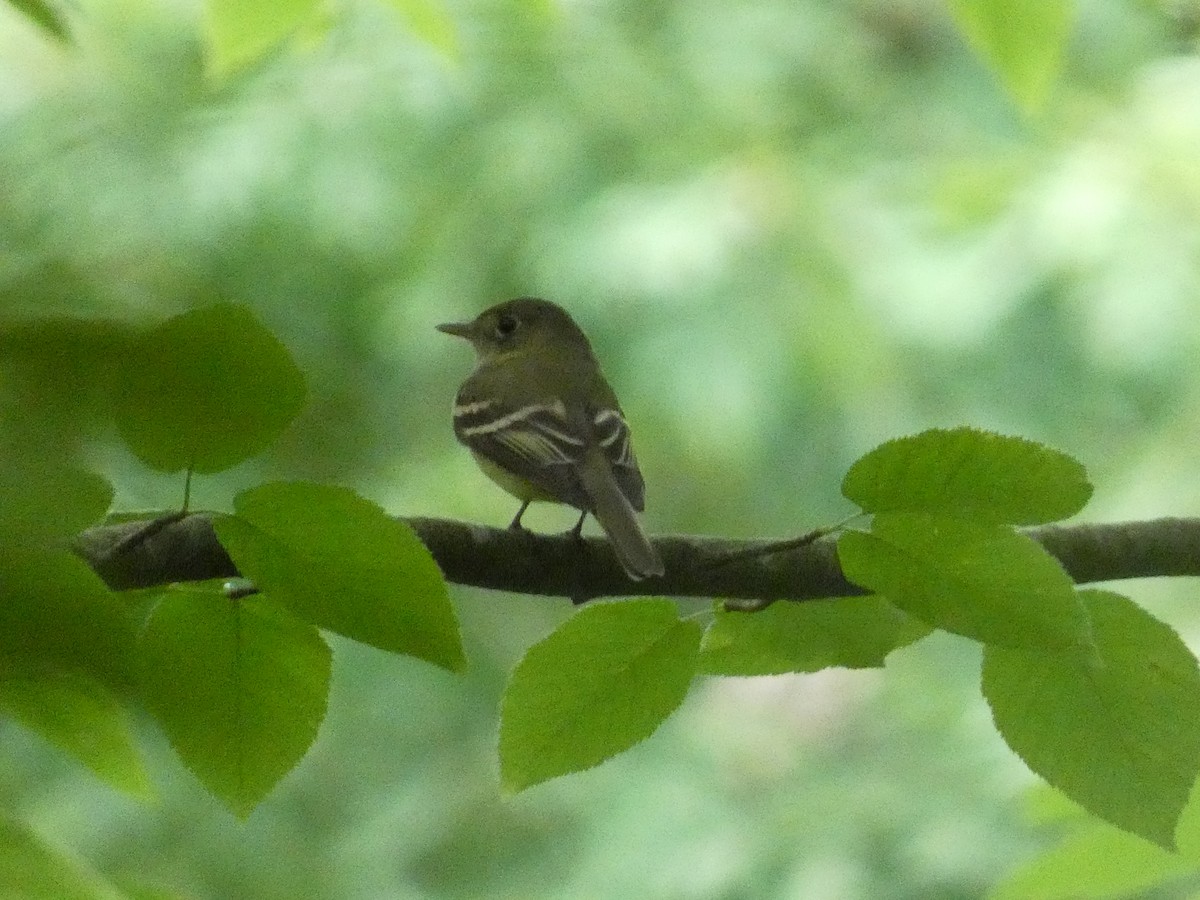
(458, 329)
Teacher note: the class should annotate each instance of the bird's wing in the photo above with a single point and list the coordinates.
(536, 441)
(611, 432)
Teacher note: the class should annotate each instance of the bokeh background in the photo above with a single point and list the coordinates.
(792, 228)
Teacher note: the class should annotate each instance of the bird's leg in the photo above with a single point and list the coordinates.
(576, 534)
(577, 531)
(516, 525)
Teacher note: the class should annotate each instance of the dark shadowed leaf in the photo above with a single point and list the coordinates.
(46, 15)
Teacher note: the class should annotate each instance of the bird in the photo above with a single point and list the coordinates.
(542, 422)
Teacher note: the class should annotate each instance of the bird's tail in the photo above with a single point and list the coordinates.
(617, 517)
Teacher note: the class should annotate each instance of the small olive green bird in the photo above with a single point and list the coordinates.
(542, 422)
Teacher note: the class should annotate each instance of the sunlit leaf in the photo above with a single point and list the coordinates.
(1022, 40)
(430, 21)
(239, 32)
(854, 632)
(31, 870)
(1187, 832)
(206, 390)
(340, 562)
(969, 473)
(1118, 731)
(43, 501)
(1097, 861)
(57, 613)
(601, 683)
(80, 718)
(1043, 805)
(239, 687)
(979, 580)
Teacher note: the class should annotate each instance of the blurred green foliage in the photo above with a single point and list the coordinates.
(791, 229)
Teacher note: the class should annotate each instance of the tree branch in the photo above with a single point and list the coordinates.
(558, 565)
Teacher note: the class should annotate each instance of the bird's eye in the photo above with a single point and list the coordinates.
(506, 325)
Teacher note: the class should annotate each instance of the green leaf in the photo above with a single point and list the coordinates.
(1119, 731)
(240, 32)
(55, 612)
(62, 369)
(1043, 805)
(133, 890)
(1095, 861)
(31, 870)
(45, 15)
(971, 474)
(79, 717)
(601, 683)
(432, 24)
(239, 687)
(206, 390)
(979, 580)
(45, 501)
(1022, 40)
(854, 632)
(340, 562)
(1187, 831)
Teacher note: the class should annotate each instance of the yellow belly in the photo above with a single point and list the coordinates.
(519, 487)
